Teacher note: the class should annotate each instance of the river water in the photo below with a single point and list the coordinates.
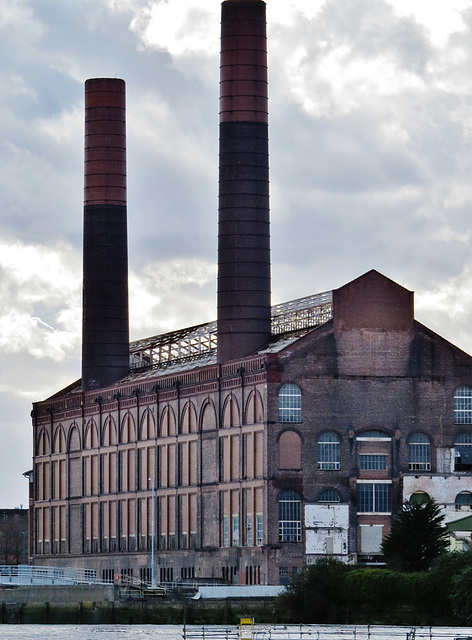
(261, 632)
(90, 632)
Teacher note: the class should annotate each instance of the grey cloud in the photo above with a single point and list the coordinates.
(360, 178)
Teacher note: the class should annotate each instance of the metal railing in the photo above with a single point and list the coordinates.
(328, 632)
(27, 574)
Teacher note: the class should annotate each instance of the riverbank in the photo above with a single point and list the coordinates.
(108, 604)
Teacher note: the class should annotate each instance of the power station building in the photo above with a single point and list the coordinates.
(243, 449)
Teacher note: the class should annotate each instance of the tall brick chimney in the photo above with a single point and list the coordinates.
(243, 231)
(105, 329)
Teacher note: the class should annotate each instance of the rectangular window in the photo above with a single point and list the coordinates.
(145, 573)
(374, 497)
(419, 456)
(290, 531)
(290, 518)
(371, 538)
(259, 530)
(249, 533)
(290, 404)
(463, 406)
(284, 577)
(226, 531)
(373, 462)
(108, 575)
(328, 451)
(235, 530)
(328, 455)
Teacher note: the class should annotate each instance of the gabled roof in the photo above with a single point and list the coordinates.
(462, 524)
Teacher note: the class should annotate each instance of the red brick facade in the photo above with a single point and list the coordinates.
(210, 441)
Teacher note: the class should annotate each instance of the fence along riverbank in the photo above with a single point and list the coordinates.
(327, 632)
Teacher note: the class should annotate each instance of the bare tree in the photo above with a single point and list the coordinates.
(13, 540)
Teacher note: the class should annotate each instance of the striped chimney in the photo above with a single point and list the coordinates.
(243, 221)
(105, 329)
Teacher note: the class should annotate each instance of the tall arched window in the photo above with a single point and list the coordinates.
(43, 444)
(419, 453)
(74, 438)
(290, 517)
(328, 451)
(463, 406)
(290, 403)
(463, 452)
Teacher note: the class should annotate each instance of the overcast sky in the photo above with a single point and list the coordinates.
(371, 166)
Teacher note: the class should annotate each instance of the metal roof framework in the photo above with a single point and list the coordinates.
(200, 340)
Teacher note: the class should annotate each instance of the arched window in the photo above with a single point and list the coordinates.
(208, 417)
(328, 451)
(109, 432)
(463, 452)
(419, 497)
(43, 444)
(167, 422)
(463, 499)
(290, 451)
(91, 436)
(290, 403)
(231, 412)
(254, 410)
(59, 440)
(148, 427)
(329, 495)
(419, 453)
(290, 517)
(74, 438)
(128, 430)
(463, 406)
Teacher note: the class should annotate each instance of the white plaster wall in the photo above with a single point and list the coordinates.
(443, 489)
(326, 528)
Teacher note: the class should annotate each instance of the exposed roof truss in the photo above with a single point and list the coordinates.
(194, 342)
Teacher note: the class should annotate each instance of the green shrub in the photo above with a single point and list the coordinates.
(317, 595)
(460, 595)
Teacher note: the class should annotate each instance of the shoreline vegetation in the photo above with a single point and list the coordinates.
(327, 592)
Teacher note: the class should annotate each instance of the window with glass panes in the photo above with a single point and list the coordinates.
(290, 403)
(463, 452)
(464, 498)
(290, 517)
(374, 497)
(463, 406)
(373, 461)
(226, 531)
(329, 495)
(328, 451)
(235, 530)
(249, 532)
(419, 452)
(259, 530)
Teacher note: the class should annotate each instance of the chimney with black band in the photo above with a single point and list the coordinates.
(105, 332)
(243, 221)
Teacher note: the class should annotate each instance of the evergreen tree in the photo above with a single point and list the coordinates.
(416, 538)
